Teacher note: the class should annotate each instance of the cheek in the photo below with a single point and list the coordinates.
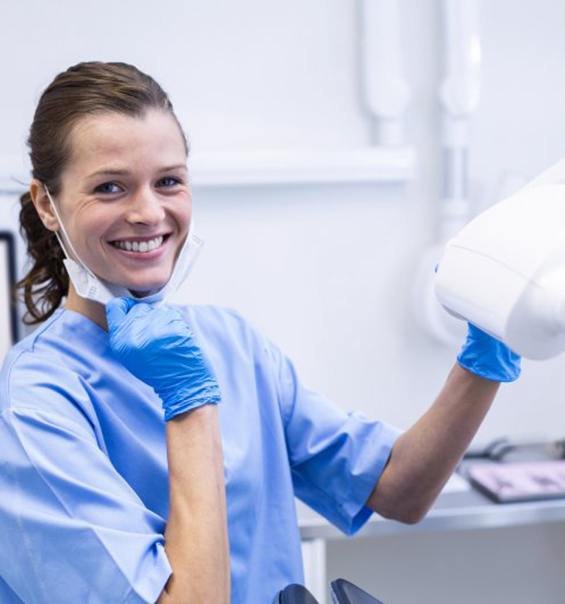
(187, 214)
(184, 220)
(89, 233)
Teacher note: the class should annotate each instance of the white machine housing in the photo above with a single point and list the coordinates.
(505, 270)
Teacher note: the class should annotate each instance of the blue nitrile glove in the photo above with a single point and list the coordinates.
(489, 358)
(158, 347)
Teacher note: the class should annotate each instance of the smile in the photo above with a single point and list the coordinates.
(140, 246)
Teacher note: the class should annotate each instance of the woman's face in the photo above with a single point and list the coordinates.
(124, 199)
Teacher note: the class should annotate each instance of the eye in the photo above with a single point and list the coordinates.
(107, 188)
(169, 181)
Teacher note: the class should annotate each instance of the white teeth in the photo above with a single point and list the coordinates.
(139, 246)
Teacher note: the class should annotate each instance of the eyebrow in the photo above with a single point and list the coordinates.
(121, 172)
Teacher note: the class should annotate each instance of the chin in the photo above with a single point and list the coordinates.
(144, 287)
(140, 292)
(143, 294)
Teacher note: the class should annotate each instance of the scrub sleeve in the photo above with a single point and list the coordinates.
(336, 458)
(78, 532)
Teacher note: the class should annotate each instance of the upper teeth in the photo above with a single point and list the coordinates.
(139, 246)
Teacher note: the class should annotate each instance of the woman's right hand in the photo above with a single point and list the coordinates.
(158, 347)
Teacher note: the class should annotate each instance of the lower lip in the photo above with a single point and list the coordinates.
(144, 256)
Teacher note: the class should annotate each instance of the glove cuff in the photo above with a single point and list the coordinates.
(505, 372)
(489, 358)
(182, 406)
(185, 399)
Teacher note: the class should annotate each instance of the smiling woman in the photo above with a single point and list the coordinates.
(125, 475)
(111, 216)
(109, 191)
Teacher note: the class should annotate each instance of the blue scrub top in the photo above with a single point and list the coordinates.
(83, 478)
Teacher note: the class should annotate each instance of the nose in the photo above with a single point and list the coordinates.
(145, 208)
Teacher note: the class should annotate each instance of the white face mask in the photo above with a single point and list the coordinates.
(91, 287)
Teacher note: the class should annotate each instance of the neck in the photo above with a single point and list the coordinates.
(94, 311)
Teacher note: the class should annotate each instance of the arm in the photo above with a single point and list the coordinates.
(424, 457)
(196, 539)
(158, 347)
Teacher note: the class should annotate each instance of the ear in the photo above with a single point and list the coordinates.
(43, 205)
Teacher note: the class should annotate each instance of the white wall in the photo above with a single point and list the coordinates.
(326, 271)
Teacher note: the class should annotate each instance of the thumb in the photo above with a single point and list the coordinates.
(116, 310)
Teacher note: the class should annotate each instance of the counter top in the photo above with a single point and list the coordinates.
(452, 511)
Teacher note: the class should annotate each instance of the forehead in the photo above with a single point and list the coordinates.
(115, 139)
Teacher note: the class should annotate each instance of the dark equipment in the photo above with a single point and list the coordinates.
(342, 592)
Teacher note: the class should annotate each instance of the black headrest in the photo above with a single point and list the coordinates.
(344, 592)
(296, 594)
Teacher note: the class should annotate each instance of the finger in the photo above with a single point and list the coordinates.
(117, 309)
(139, 309)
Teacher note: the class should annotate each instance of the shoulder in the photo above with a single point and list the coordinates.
(220, 323)
(36, 373)
(28, 356)
(213, 316)
(228, 332)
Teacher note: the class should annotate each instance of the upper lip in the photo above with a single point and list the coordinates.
(139, 237)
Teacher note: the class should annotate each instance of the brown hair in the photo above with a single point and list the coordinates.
(82, 90)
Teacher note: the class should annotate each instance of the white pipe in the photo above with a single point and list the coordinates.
(460, 88)
(386, 90)
(459, 95)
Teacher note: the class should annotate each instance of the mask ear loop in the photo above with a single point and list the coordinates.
(60, 240)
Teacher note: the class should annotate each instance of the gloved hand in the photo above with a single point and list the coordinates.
(158, 347)
(487, 357)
